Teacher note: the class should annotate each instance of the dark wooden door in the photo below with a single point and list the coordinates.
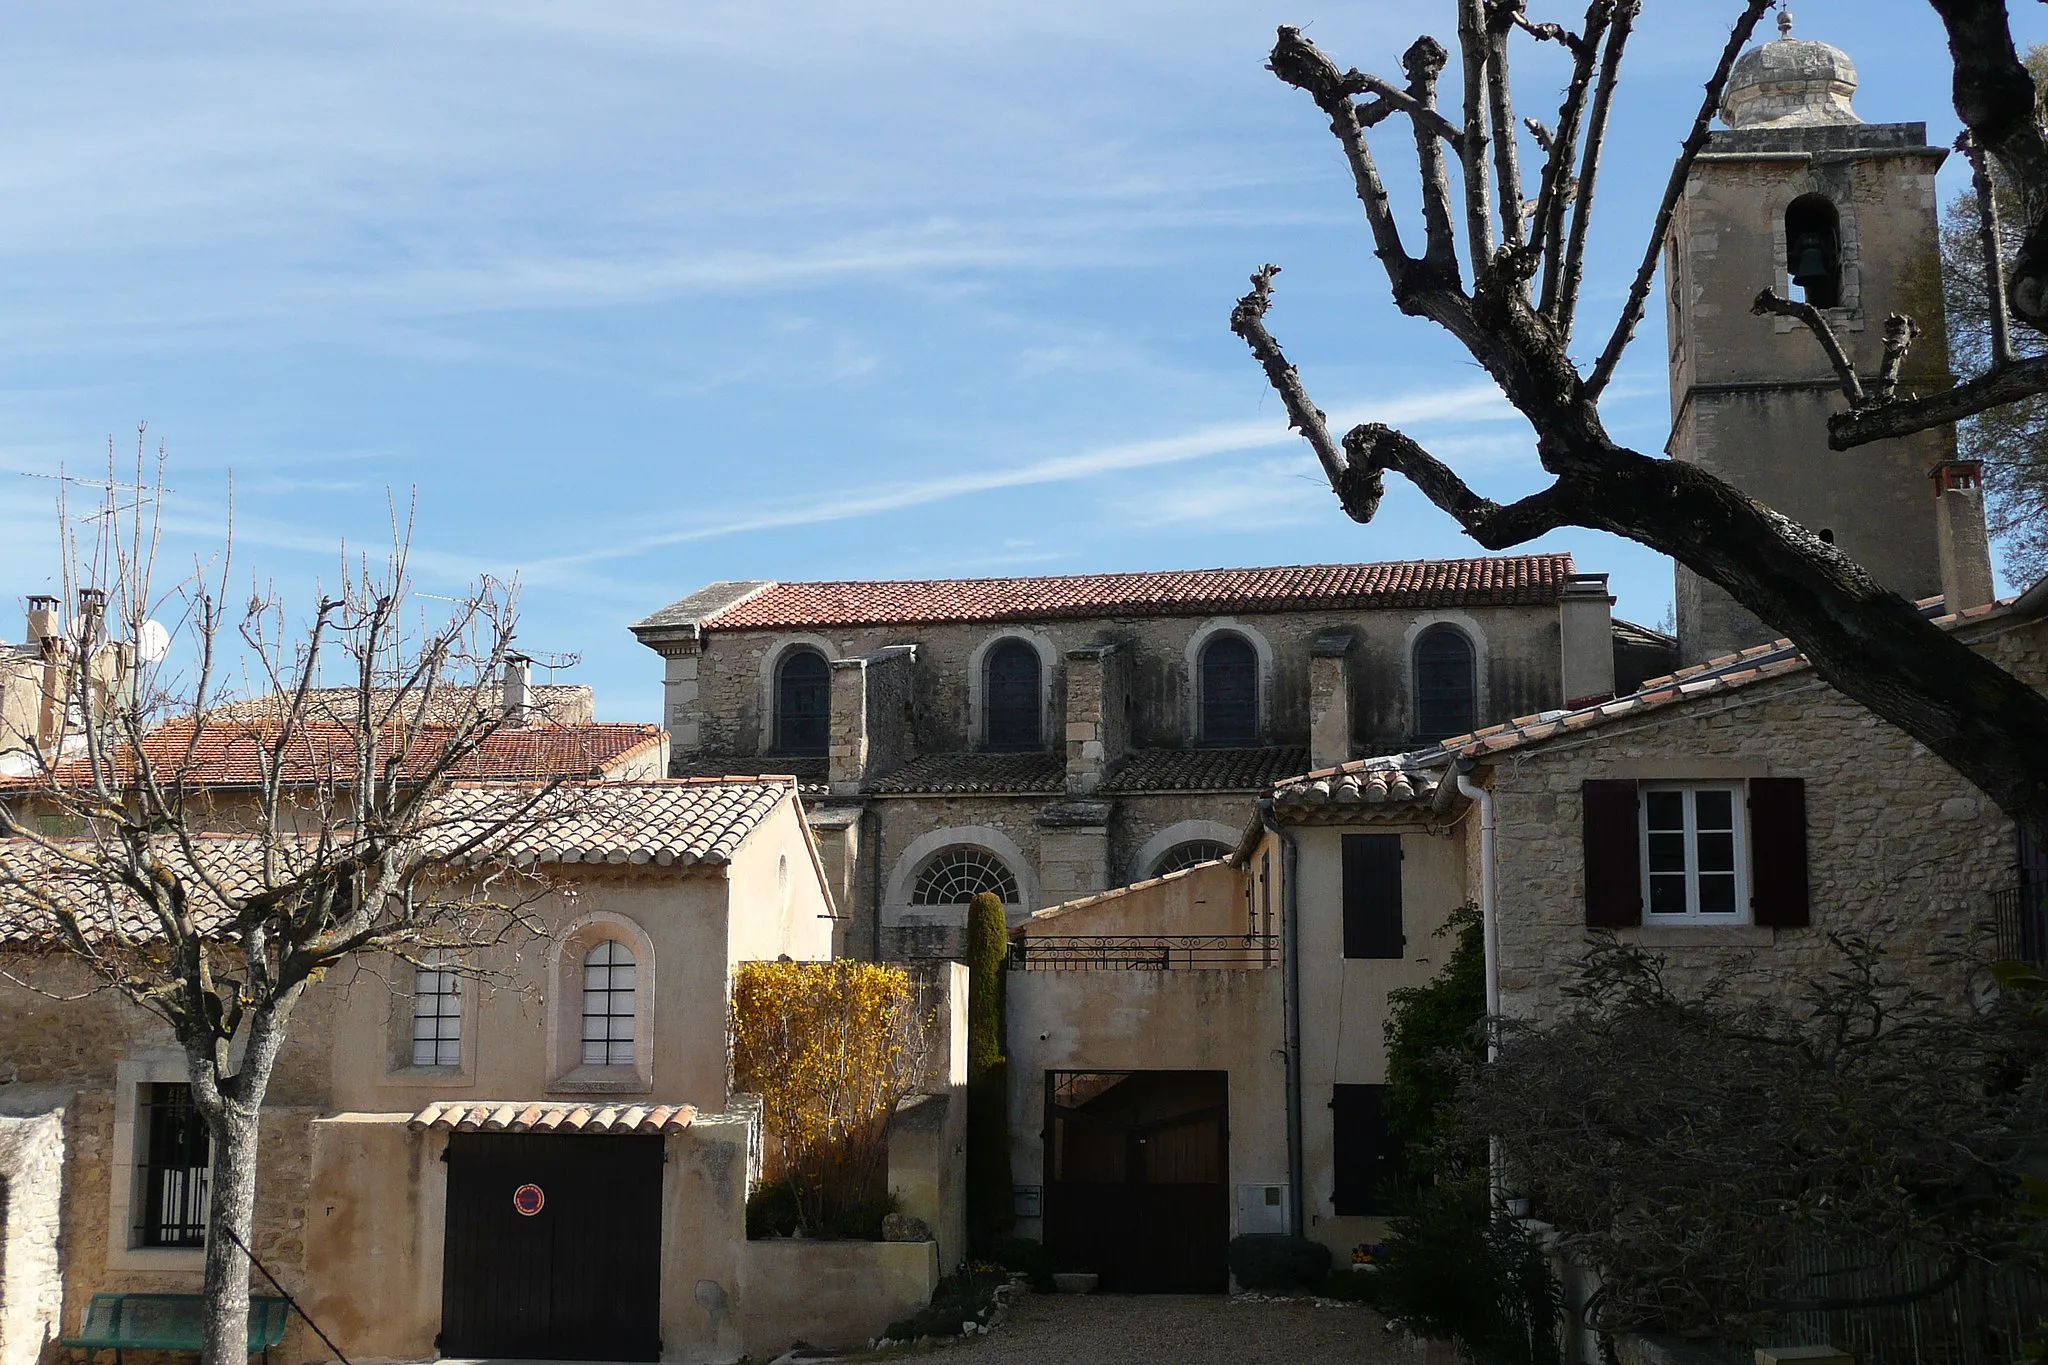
(1136, 1183)
(578, 1277)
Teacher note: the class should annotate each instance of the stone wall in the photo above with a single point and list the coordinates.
(31, 1193)
(830, 1293)
(728, 684)
(1899, 846)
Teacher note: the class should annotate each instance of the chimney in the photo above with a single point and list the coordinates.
(1585, 630)
(518, 668)
(1329, 699)
(45, 622)
(1959, 532)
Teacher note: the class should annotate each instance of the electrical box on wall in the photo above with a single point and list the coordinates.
(1261, 1208)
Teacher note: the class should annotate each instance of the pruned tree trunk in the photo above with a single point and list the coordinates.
(225, 1325)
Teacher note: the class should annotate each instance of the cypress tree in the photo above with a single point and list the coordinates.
(990, 1213)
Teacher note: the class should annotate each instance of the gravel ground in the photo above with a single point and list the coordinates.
(1110, 1329)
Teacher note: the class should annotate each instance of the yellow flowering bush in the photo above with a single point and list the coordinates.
(831, 1048)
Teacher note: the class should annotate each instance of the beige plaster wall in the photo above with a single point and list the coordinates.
(1206, 899)
(1899, 846)
(515, 1007)
(377, 1207)
(31, 1212)
(777, 893)
(831, 1293)
(1226, 1021)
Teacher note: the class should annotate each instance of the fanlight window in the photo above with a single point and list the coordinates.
(1188, 854)
(803, 703)
(958, 875)
(1010, 696)
(1230, 691)
(1446, 689)
(608, 990)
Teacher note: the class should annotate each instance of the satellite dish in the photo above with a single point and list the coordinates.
(152, 642)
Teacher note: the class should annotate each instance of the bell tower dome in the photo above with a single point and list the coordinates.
(1799, 194)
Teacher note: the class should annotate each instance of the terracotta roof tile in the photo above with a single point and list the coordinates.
(1206, 770)
(810, 773)
(551, 1116)
(1510, 580)
(230, 751)
(667, 823)
(1035, 774)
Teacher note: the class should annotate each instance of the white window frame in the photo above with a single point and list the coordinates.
(608, 995)
(1738, 792)
(570, 1074)
(130, 1134)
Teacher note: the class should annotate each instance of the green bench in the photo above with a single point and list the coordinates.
(166, 1322)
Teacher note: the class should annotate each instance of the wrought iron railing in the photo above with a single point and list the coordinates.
(1142, 952)
(2019, 914)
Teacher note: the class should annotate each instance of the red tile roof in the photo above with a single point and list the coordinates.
(1512, 580)
(231, 751)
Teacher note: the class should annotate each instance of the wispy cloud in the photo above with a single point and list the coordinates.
(1469, 403)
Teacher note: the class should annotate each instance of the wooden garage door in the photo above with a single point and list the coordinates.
(553, 1247)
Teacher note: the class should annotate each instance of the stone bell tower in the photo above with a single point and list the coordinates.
(1800, 194)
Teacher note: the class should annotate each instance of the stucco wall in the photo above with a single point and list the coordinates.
(830, 1293)
(1344, 1001)
(1206, 899)
(1151, 1021)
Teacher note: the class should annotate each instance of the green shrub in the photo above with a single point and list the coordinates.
(772, 1210)
(1433, 1033)
(1453, 1270)
(965, 1297)
(989, 1197)
(1273, 1261)
(1349, 1286)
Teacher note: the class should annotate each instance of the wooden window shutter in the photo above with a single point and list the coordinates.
(1372, 896)
(1614, 856)
(1777, 852)
(1366, 1156)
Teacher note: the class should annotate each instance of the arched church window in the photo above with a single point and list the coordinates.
(1010, 696)
(1183, 856)
(955, 876)
(1446, 685)
(1813, 250)
(1230, 691)
(803, 702)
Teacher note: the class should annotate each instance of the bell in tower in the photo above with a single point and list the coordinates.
(1799, 194)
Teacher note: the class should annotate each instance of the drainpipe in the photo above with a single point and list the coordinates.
(1489, 934)
(1290, 960)
(1488, 887)
(872, 849)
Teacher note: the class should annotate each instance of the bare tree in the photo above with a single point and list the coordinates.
(216, 917)
(1512, 302)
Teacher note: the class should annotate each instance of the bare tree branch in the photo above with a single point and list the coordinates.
(2007, 384)
(1555, 191)
(1899, 335)
(1472, 151)
(1989, 240)
(1632, 311)
(1371, 448)
(1248, 320)
(1769, 302)
(1564, 316)
(1500, 103)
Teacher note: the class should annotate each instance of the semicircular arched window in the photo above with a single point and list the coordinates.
(1183, 856)
(956, 876)
(1010, 697)
(803, 703)
(1446, 684)
(1230, 690)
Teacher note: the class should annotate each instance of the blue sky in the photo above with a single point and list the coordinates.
(637, 295)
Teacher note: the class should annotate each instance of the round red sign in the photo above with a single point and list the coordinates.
(528, 1200)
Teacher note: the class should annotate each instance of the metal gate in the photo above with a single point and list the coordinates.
(1137, 1178)
(553, 1247)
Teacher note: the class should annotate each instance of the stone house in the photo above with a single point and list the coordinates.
(1737, 811)
(429, 1115)
(1047, 738)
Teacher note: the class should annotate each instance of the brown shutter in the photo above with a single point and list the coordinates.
(1614, 861)
(1777, 852)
